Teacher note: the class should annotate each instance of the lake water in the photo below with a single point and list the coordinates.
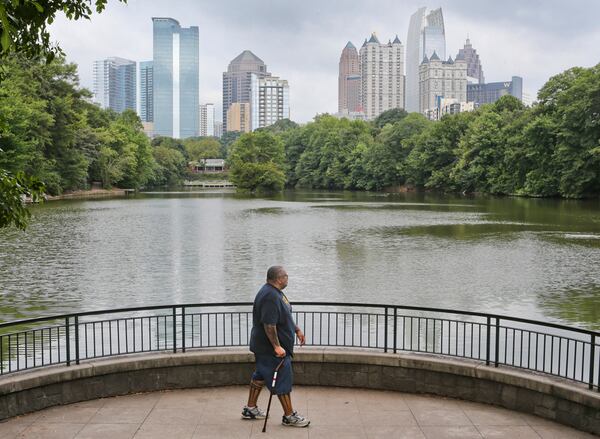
(530, 258)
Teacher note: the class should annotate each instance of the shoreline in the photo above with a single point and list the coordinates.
(93, 193)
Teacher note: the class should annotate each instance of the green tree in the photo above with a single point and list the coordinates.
(325, 161)
(12, 191)
(257, 163)
(227, 140)
(389, 117)
(200, 148)
(170, 166)
(384, 162)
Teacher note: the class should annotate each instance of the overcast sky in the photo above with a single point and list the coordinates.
(302, 41)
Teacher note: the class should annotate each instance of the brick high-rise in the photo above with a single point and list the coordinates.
(349, 80)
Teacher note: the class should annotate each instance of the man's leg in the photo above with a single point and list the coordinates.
(255, 387)
(251, 410)
(286, 404)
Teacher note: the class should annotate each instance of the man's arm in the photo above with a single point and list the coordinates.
(300, 335)
(271, 331)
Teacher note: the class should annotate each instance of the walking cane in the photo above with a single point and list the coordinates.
(271, 395)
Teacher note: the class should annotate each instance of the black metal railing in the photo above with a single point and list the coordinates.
(567, 352)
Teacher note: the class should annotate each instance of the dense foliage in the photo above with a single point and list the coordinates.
(257, 162)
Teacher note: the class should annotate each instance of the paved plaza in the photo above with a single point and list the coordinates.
(335, 413)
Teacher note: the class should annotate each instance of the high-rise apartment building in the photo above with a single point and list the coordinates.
(115, 84)
(207, 120)
(270, 101)
(237, 80)
(474, 68)
(175, 79)
(426, 34)
(349, 80)
(382, 76)
(218, 129)
(146, 92)
(489, 93)
(238, 117)
(441, 80)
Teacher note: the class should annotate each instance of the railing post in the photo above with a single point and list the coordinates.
(183, 329)
(77, 340)
(497, 346)
(487, 345)
(592, 361)
(385, 333)
(174, 330)
(68, 337)
(395, 329)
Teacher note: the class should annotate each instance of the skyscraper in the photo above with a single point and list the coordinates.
(146, 92)
(176, 80)
(349, 80)
(270, 101)
(382, 76)
(237, 80)
(207, 120)
(426, 35)
(474, 69)
(114, 84)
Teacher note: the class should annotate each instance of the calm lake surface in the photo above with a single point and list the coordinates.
(523, 257)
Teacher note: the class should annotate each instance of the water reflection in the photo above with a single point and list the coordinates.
(508, 255)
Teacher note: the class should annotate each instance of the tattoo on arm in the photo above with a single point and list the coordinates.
(271, 331)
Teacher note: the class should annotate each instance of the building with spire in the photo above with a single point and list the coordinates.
(349, 81)
(474, 68)
(237, 81)
(382, 76)
(441, 80)
(426, 35)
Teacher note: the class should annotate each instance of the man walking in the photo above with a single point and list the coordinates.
(271, 340)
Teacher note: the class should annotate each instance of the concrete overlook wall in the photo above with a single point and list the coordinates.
(555, 400)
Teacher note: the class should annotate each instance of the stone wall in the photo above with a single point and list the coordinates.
(556, 400)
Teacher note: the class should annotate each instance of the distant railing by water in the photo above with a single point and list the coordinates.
(566, 352)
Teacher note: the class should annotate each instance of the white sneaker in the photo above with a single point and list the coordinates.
(295, 420)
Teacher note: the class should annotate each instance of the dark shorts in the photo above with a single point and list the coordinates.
(265, 366)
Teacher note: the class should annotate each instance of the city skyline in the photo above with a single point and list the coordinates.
(298, 42)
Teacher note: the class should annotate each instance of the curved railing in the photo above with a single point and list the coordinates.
(558, 350)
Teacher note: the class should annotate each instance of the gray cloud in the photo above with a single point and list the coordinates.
(302, 41)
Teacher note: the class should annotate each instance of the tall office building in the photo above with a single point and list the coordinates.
(426, 35)
(237, 80)
(207, 120)
(175, 79)
(146, 92)
(474, 68)
(218, 129)
(349, 80)
(382, 76)
(238, 117)
(115, 84)
(439, 80)
(270, 101)
(489, 93)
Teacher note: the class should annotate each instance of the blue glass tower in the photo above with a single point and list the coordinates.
(176, 80)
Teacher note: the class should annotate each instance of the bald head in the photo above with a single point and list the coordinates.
(277, 276)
